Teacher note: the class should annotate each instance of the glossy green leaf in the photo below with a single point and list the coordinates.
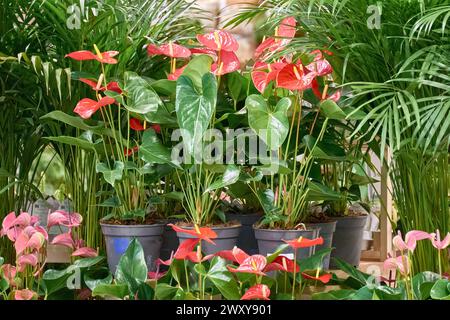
(152, 150)
(331, 110)
(141, 98)
(132, 266)
(195, 108)
(271, 125)
(230, 176)
(111, 175)
(119, 291)
(440, 290)
(196, 69)
(319, 192)
(219, 275)
(423, 283)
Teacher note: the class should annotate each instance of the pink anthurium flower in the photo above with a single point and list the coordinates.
(86, 107)
(201, 233)
(64, 239)
(23, 220)
(218, 40)
(55, 218)
(9, 273)
(410, 241)
(176, 74)
(29, 238)
(27, 259)
(63, 218)
(437, 243)
(24, 294)
(255, 264)
(295, 77)
(170, 49)
(85, 252)
(8, 227)
(302, 242)
(259, 291)
(103, 57)
(400, 263)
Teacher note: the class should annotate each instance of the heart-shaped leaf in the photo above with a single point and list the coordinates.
(111, 175)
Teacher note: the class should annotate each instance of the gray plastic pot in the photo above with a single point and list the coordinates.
(269, 240)
(326, 231)
(347, 239)
(169, 239)
(246, 240)
(118, 237)
(226, 239)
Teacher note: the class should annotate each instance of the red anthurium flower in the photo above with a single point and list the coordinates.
(315, 88)
(128, 152)
(170, 49)
(156, 127)
(320, 65)
(234, 255)
(152, 275)
(207, 51)
(186, 247)
(218, 40)
(175, 75)
(295, 77)
(282, 263)
(103, 57)
(136, 125)
(261, 79)
(259, 291)
(85, 252)
(87, 107)
(304, 242)
(111, 86)
(283, 35)
(324, 278)
(255, 264)
(24, 294)
(227, 63)
(201, 233)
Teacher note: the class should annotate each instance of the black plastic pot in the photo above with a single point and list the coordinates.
(269, 240)
(347, 239)
(326, 231)
(169, 239)
(226, 239)
(118, 237)
(246, 240)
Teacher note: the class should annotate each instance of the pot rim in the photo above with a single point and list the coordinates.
(284, 230)
(351, 217)
(119, 226)
(216, 227)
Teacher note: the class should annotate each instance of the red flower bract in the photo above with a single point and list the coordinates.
(218, 40)
(86, 107)
(304, 242)
(112, 86)
(170, 49)
(261, 79)
(104, 57)
(295, 77)
(259, 291)
(227, 63)
(255, 264)
(175, 75)
(234, 255)
(201, 233)
(136, 125)
(282, 263)
(325, 278)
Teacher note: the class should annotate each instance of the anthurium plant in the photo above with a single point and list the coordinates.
(406, 284)
(234, 274)
(28, 279)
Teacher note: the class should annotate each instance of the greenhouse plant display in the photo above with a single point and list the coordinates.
(216, 157)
